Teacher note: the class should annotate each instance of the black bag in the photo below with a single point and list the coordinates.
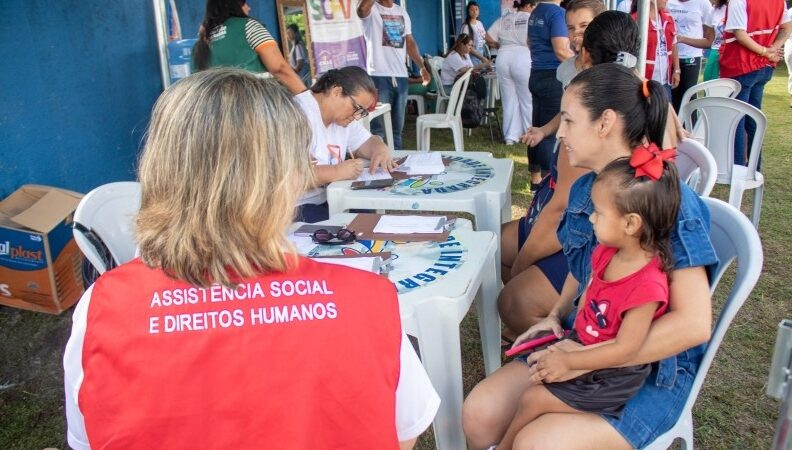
(472, 109)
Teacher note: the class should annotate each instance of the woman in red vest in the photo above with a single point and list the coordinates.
(219, 336)
(662, 57)
(752, 40)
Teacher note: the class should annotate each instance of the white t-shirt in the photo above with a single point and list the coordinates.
(386, 31)
(738, 16)
(690, 16)
(416, 399)
(718, 23)
(566, 71)
(660, 73)
(624, 6)
(478, 34)
(330, 144)
(493, 32)
(452, 64)
(514, 29)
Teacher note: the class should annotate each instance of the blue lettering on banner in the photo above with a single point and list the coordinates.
(446, 260)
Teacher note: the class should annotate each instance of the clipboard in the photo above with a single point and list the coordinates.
(364, 223)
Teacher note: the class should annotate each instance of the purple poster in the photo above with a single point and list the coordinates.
(336, 34)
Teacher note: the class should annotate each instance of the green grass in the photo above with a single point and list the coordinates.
(732, 410)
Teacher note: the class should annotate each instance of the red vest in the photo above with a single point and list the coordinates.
(307, 359)
(651, 43)
(764, 18)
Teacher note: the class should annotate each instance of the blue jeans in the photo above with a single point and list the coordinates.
(391, 90)
(546, 91)
(752, 84)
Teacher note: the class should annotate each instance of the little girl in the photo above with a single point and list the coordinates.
(635, 207)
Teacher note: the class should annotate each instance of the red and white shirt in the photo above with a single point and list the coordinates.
(308, 359)
(612, 299)
(761, 21)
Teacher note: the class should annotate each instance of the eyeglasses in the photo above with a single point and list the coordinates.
(325, 237)
(360, 112)
(601, 321)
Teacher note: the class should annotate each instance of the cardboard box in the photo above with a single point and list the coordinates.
(40, 264)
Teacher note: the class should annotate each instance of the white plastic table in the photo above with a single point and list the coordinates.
(475, 183)
(432, 307)
(384, 110)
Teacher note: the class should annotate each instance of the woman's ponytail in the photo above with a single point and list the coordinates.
(656, 105)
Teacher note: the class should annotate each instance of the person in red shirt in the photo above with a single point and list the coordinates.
(635, 208)
(662, 55)
(219, 336)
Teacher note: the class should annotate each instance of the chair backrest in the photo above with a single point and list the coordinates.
(722, 87)
(108, 212)
(734, 238)
(719, 117)
(435, 63)
(696, 166)
(454, 109)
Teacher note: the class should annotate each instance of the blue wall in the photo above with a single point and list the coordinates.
(79, 79)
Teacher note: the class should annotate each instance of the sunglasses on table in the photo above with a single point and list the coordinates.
(326, 237)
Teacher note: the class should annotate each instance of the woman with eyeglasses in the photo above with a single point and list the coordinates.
(220, 336)
(334, 106)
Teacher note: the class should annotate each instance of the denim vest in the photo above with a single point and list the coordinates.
(690, 243)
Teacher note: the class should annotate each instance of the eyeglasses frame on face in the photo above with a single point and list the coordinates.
(360, 112)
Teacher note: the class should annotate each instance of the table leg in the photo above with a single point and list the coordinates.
(388, 129)
(488, 320)
(335, 201)
(488, 218)
(441, 355)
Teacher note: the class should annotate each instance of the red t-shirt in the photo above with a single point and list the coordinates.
(614, 298)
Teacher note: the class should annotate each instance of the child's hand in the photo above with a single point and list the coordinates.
(549, 323)
(553, 367)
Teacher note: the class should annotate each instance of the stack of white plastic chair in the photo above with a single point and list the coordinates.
(720, 118)
(451, 119)
(104, 224)
(721, 87)
(696, 166)
(435, 63)
(734, 239)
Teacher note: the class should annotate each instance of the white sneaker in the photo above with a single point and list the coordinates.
(509, 142)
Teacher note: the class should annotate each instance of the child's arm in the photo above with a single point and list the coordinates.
(613, 353)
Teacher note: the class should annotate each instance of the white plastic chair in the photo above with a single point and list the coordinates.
(696, 166)
(420, 103)
(722, 87)
(720, 117)
(107, 213)
(435, 63)
(451, 119)
(734, 239)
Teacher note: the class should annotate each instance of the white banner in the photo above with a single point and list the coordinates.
(336, 34)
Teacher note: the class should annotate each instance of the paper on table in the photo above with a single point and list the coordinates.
(421, 163)
(368, 264)
(410, 224)
(304, 244)
(380, 174)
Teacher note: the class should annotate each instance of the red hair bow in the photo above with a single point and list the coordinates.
(648, 161)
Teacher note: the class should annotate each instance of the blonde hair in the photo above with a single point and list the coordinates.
(225, 160)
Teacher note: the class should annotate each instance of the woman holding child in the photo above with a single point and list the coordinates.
(608, 114)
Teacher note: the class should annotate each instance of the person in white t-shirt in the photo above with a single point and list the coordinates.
(473, 27)
(458, 61)
(388, 32)
(333, 105)
(718, 23)
(693, 20)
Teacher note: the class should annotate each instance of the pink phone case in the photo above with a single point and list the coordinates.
(527, 345)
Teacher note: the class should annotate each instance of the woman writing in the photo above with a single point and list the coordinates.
(229, 38)
(458, 61)
(608, 111)
(201, 342)
(333, 106)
